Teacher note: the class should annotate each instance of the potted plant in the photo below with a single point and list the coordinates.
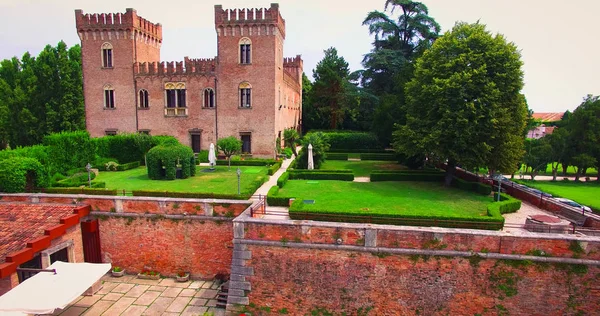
(149, 275)
(183, 276)
(117, 272)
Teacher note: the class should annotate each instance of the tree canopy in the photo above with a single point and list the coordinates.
(464, 104)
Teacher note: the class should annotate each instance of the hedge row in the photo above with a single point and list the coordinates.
(481, 188)
(358, 151)
(283, 179)
(129, 147)
(191, 195)
(507, 204)
(351, 140)
(336, 156)
(407, 176)
(251, 162)
(387, 157)
(320, 171)
(297, 211)
(14, 174)
(95, 184)
(322, 176)
(274, 168)
(410, 171)
(88, 191)
(128, 166)
(273, 199)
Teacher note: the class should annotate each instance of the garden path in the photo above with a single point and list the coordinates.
(514, 221)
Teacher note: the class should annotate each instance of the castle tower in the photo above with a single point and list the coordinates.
(250, 74)
(110, 45)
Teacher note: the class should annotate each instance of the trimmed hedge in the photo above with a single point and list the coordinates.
(481, 188)
(128, 166)
(283, 179)
(202, 156)
(336, 156)
(410, 171)
(250, 162)
(16, 172)
(407, 176)
(320, 171)
(129, 147)
(507, 204)
(95, 184)
(351, 140)
(386, 157)
(272, 169)
(322, 176)
(298, 212)
(191, 195)
(88, 191)
(359, 151)
(273, 199)
(69, 150)
(162, 162)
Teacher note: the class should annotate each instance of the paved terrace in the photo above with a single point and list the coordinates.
(131, 296)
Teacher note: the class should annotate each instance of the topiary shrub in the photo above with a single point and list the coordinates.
(320, 147)
(164, 160)
(21, 174)
(68, 150)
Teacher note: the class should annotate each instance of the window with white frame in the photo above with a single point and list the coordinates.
(175, 95)
(245, 51)
(107, 55)
(144, 99)
(245, 95)
(109, 97)
(209, 98)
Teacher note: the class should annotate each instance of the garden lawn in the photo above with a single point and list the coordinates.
(221, 180)
(387, 197)
(361, 168)
(586, 193)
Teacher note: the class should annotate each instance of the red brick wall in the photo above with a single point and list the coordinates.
(73, 233)
(342, 281)
(202, 247)
(6, 284)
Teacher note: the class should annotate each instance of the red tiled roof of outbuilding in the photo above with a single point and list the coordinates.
(548, 117)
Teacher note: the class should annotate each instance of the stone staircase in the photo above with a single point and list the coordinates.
(222, 295)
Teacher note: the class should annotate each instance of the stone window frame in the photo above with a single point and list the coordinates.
(244, 94)
(109, 97)
(177, 86)
(144, 99)
(211, 104)
(111, 132)
(107, 56)
(46, 253)
(247, 43)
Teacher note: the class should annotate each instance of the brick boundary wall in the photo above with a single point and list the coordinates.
(281, 264)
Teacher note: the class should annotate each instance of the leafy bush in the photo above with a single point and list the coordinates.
(481, 188)
(408, 176)
(272, 169)
(191, 195)
(273, 199)
(88, 191)
(412, 162)
(68, 150)
(347, 140)
(387, 157)
(38, 152)
(111, 166)
(163, 161)
(100, 162)
(336, 156)
(288, 152)
(19, 173)
(128, 166)
(320, 147)
(322, 176)
(129, 147)
(283, 179)
(203, 156)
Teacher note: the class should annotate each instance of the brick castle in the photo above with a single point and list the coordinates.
(249, 90)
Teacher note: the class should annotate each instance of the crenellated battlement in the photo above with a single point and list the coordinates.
(293, 67)
(202, 66)
(127, 21)
(249, 17)
(292, 61)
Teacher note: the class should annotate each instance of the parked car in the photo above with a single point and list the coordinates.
(574, 204)
(536, 191)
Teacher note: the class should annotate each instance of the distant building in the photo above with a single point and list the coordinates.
(548, 117)
(249, 90)
(543, 130)
(540, 131)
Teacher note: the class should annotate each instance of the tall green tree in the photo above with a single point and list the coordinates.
(331, 88)
(584, 125)
(402, 33)
(538, 156)
(464, 105)
(229, 146)
(558, 142)
(42, 95)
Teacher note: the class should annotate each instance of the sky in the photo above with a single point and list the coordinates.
(559, 43)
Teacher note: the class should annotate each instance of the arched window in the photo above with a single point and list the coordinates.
(109, 97)
(245, 95)
(209, 98)
(107, 56)
(245, 51)
(175, 94)
(144, 102)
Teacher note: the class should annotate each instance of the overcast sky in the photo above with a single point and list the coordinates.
(559, 40)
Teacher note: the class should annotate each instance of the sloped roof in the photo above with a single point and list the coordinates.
(548, 117)
(21, 223)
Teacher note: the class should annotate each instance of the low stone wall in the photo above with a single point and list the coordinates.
(303, 267)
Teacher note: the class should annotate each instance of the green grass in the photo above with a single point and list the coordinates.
(591, 172)
(221, 180)
(399, 198)
(361, 168)
(585, 193)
